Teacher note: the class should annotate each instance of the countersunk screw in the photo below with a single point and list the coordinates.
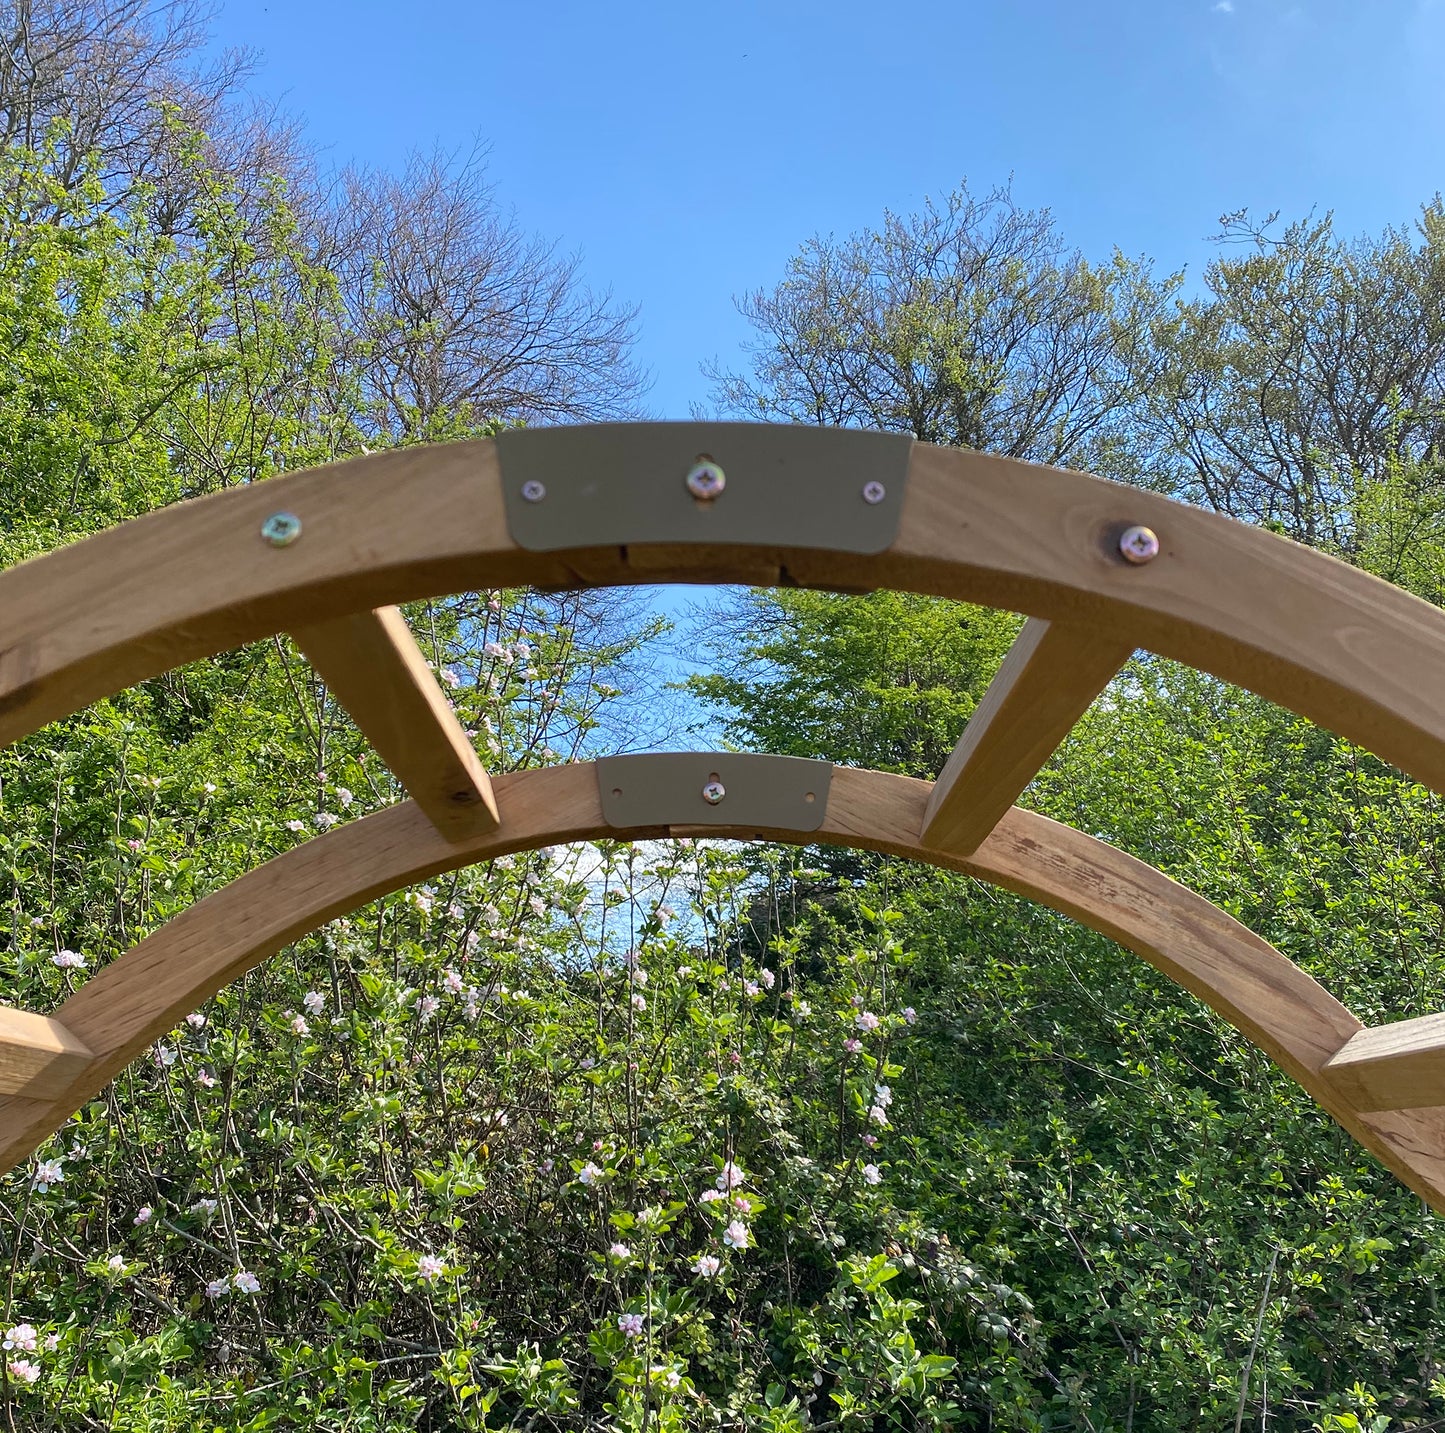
(714, 791)
(874, 493)
(533, 491)
(281, 529)
(1139, 545)
(705, 480)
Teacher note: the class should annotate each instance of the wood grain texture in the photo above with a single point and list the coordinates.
(39, 1056)
(1343, 648)
(145, 993)
(1047, 681)
(375, 669)
(1400, 1066)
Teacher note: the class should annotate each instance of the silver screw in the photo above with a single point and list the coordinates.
(705, 480)
(281, 529)
(874, 493)
(714, 792)
(1139, 545)
(534, 492)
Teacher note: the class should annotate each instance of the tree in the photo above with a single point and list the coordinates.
(1309, 366)
(969, 324)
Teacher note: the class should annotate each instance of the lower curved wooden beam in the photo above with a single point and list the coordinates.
(146, 992)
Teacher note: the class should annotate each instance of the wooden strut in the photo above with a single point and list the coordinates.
(1342, 648)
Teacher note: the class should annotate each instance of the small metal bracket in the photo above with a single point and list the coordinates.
(777, 485)
(680, 788)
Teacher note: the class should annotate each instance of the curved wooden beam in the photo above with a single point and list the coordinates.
(145, 993)
(1342, 648)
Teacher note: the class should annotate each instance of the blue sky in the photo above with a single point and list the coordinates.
(686, 151)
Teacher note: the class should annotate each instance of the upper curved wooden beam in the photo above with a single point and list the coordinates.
(1350, 652)
(136, 999)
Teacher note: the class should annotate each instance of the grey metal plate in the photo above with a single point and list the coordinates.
(614, 484)
(666, 789)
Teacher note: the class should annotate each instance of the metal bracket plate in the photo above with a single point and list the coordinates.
(781, 793)
(615, 484)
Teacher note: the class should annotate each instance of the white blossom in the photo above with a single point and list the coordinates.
(218, 1288)
(707, 1265)
(731, 1176)
(48, 1173)
(872, 1174)
(589, 1173)
(735, 1236)
(164, 1056)
(631, 1324)
(246, 1282)
(68, 960)
(429, 1267)
(344, 798)
(767, 977)
(866, 1020)
(325, 819)
(314, 1001)
(196, 1020)
(22, 1337)
(620, 1251)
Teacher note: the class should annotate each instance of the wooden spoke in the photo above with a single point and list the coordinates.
(372, 664)
(39, 1057)
(1049, 678)
(1393, 1067)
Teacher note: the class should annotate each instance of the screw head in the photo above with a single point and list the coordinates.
(705, 480)
(874, 493)
(714, 792)
(533, 491)
(281, 529)
(1139, 545)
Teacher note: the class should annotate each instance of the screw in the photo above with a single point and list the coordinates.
(714, 791)
(705, 480)
(1139, 545)
(281, 529)
(874, 493)
(534, 492)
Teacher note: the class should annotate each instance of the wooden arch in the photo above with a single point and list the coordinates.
(326, 554)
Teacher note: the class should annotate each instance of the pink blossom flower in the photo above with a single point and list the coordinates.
(344, 798)
(48, 1173)
(206, 1080)
(741, 1201)
(115, 1264)
(872, 1174)
(856, 1002)
(144, 1215)
(731, 1176)
(631, 1324)
(427, 1007)
(23, 1370)
(638, 976)
(204, 1206)
(852, 1046)
(246, 1282)
(735, 1236)
(297, 826)
(452, 983)
(22, 1337)
(135, 844)
(314, 1001)
(767, 977)
(196, 1020)
(751, 987)
(619, 1251)
(588, 1174)
(429, 1267)
(734, 1058)
(707, 1266)
(68, 960)
(866, 1020)
(164, 1056)
(910, 1015)
(878, 1115)
(218, 1288)
(711, 1196)
(639, 1003)
(298, 1024)
(450, 678)
(871, 1140)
